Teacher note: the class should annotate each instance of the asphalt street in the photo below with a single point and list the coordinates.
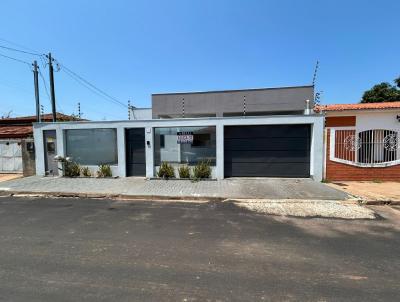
(104, 250)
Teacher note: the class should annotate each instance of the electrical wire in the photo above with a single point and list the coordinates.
(18, 45)
(44, 84)
(15, 59)
(47, 92)
(85, 83)
(21, 51)
(81, 79)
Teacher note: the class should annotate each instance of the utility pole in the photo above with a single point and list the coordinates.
(36, 84)
(129, 109)
(52, 93)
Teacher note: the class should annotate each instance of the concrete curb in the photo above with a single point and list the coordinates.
(110, 196)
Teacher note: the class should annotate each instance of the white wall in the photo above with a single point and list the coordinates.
(371, 119)
(377, 120)
(317, 122)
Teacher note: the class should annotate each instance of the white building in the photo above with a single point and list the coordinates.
(246, 133)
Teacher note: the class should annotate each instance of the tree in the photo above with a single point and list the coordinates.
(397, 81)
(383, 92)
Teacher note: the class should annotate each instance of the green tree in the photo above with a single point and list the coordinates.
(397, 81)
(383, 92)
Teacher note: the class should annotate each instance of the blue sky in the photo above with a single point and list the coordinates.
(131, 49)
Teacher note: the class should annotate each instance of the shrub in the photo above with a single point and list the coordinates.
(86, 172)
(166, 171)
(71, 169)
(104, 171)
(184, 172)
(202, 170)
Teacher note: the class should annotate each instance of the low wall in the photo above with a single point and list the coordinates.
(338, 171)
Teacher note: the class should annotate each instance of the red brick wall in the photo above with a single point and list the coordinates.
(338, 171)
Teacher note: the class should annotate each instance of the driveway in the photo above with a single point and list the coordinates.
(102, 250)
(271, 188)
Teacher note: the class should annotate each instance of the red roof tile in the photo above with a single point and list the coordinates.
(21, 127)
(361, 106)
(15, 131)
(48, 117)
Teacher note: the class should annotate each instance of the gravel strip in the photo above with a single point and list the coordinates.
(307, 208)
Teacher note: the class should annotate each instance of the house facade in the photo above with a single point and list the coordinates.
(17, 151)
(361, 141)
(242, 133)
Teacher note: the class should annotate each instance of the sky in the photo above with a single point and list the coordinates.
(131, 49)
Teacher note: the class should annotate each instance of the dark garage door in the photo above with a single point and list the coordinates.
(135, 152)
(267, 151)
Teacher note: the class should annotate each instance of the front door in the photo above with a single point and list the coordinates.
(50, 150)
(135, 152)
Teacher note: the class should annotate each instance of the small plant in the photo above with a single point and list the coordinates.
(166, 171)
(72, 169)
(202, 170)
(86, 172)
(104, 171)
(184, 172)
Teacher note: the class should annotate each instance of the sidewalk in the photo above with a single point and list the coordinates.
(264, 188)
(371, 192)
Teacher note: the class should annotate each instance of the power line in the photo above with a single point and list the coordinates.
(21, 51)
(84, 85)
(18, 45)
(47, 91)
(110, 98)
(15, 59)
(44, 84)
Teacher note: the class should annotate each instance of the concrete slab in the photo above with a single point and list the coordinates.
(267, 188)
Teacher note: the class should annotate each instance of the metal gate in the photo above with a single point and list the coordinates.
(135, 152)
(10, 156)
(267, 151)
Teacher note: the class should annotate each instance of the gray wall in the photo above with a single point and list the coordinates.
(218, 103)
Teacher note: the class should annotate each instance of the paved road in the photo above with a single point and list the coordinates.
(100, 250)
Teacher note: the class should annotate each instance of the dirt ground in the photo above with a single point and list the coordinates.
(370, 191)
(6, 176)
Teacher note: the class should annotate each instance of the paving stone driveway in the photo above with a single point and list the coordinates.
(274, 188)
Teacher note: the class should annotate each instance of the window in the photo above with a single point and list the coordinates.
(201, 140)
(184, 145)
(92, 146)
(377, 146)
(370, 147)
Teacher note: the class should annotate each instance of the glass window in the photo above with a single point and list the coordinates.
(92, 146)
(184, 145)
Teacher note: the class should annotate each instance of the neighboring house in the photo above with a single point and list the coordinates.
(16, 133)
(140, 113)
(243, 133)
(362, 141)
